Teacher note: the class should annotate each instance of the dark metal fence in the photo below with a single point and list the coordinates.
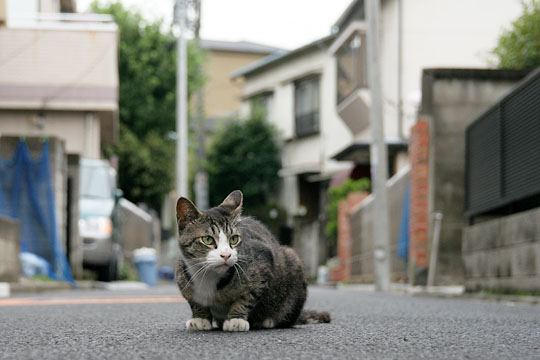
(503, 152)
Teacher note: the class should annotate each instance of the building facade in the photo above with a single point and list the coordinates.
(413, 35)
(296, 92)
(222, 97)
(59, 82)
(59, 76)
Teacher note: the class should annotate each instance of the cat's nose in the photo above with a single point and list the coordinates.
(225, 256)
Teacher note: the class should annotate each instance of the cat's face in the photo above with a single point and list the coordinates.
(210, 239)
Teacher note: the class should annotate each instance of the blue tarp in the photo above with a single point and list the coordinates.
(26, 195)
(403, 240)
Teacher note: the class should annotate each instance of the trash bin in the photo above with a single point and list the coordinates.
(145, 260)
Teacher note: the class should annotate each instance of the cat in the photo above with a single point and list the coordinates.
(234, 274)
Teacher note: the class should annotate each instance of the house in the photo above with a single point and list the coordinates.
(319, 98)
(296, 90)
(415, 35)
(59, 81)
(59, 76)
(221, 96)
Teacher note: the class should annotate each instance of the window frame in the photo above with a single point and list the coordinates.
(312, 117)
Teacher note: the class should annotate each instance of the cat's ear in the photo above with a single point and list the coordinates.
(233, 203)
(186, 212)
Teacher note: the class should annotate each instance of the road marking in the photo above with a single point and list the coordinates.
(91, 301)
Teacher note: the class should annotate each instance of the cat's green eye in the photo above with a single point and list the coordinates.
(207, 240)
(234, 240)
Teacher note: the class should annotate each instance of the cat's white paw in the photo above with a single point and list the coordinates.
(235, 325)
(215, 324)
(268, 324)
(198, 324)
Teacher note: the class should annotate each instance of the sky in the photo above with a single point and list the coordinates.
(280, 23)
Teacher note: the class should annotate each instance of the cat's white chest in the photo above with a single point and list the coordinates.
(204, 290)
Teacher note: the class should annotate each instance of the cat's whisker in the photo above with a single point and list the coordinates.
(197, 273)
(239, 278)
(247, 277)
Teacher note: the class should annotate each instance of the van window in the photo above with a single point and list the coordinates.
(95, 182)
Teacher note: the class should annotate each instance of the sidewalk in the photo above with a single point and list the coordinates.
(456, 291)
(25, 285)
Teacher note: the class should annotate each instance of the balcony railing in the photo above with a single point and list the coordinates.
(64, 21)
(351, 66)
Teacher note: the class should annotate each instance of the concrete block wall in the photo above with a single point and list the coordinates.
(503, 253)
(362, 220)
(452, 99)
(10, 268)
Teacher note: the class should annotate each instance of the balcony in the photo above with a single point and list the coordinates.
(353, 95)
(66, 62)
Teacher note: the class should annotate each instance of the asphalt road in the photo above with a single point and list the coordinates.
(150, 325)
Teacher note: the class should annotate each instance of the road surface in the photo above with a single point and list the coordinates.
(150, 324)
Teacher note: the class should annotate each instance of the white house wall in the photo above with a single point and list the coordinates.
(311, 153)
(79, 130)
(436, 33)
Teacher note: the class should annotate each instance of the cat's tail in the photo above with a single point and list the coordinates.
(313, 317)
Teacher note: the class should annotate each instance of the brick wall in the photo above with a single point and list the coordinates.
(419, 219)
(342, 271)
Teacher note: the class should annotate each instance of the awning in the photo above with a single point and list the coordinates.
(358, 152)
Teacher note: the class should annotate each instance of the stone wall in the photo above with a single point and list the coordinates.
(504, 253)
(10, 268)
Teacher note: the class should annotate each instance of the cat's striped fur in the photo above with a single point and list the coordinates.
(255, 283)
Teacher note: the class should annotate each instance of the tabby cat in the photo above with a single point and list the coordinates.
(234, 274)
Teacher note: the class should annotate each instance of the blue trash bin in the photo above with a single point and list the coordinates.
(145, 260)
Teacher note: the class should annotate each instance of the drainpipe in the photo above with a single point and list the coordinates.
(400, 71)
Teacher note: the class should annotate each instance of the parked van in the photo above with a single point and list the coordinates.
(98, 218)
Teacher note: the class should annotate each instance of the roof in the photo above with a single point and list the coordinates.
(475, 74)
(281, 57)
(354, 10)
(238, 46)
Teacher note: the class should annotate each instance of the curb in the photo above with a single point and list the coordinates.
(445, 292)
(30, 286)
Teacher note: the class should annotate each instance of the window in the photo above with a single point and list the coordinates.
(351, 66)
(306, 106)
(261, 105)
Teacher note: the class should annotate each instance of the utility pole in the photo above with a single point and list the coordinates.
(201, 177)
(378, 157)
(181, 21)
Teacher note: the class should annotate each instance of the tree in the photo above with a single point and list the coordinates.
(245, 155)
(146, 167)
(147, 71)
(519, 46)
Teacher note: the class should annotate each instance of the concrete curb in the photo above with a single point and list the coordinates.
(34, 286)
(507, 299)
(445, 292)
